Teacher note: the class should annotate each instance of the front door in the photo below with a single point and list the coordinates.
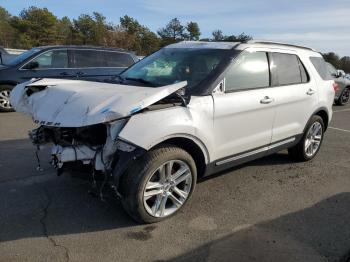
(244, 112)
(50, 64)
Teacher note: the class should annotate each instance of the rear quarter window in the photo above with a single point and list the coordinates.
(321, 68)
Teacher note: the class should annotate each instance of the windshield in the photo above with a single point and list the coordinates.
(20, 58)
(172, 65)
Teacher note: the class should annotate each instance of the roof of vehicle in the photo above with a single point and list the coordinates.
(83, 47)
(238, 45)
(204, 45)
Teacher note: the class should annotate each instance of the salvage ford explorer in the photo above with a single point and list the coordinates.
(186, 111)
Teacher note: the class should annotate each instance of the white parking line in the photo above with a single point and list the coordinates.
(343, 110)
(344, 130)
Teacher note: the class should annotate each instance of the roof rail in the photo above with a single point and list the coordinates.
(279, 43)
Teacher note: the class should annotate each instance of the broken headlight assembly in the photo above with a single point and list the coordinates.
(95, 144)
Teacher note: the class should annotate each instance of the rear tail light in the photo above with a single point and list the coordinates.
(336, 87)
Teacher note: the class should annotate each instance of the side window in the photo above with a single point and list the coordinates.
(303, 73)
(88, 58)
(332, 70)
(116, 59)
(321, 67)
(249, 71)
(287, 69)
(52, 59)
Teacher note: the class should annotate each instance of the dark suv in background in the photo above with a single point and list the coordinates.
(71, 62)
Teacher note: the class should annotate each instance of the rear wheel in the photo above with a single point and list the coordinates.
(159, 184)
(5, 105)
(310, 144)
(344, 97)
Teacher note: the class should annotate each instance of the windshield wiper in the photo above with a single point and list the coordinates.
(140, 80)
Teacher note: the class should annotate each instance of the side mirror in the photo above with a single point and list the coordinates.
(32, 65)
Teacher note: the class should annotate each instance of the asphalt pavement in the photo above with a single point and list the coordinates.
(271, 209)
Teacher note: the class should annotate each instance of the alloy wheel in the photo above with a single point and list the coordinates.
(5, 99)
(313, 139)
(168, 188)
(345, 95)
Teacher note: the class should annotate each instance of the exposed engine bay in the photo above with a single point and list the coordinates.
(92, 145)
(95, 150)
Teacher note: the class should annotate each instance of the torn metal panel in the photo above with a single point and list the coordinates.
(99, 156)
(75, 103)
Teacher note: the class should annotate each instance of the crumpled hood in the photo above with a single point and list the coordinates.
(74, 103)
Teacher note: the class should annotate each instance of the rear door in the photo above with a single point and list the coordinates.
(244, 112)
(295, 94)
(99, 65)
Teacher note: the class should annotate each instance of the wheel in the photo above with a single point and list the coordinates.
(158, 184)
(5, 105)
(309, 145)
(344, 97)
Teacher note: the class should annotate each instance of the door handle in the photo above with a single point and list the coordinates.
(266, 100)
(310, 92)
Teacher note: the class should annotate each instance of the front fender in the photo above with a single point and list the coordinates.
(151, 128)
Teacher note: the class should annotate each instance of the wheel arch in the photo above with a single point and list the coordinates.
(323, 113)
(191, 145)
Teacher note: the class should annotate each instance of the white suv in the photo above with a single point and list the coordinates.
(186, 111)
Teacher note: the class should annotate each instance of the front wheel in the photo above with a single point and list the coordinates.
(158, 184)
(310, 144)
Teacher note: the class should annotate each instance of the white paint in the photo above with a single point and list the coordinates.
(221, 124)
(194, 122)
(73, 103)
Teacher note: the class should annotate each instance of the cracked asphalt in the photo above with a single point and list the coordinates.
(268, 210)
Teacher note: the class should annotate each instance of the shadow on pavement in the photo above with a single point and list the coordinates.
(318, 233)
(60, 205)
(33, 202)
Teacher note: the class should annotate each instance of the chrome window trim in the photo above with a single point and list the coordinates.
(71, 68)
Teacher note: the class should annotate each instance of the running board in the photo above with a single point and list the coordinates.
(256, 151)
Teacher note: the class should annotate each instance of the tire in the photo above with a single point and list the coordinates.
(344, 97)
(4, 99)
(299, 152)
(145, 192)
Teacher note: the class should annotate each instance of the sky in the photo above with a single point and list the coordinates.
(320, 24)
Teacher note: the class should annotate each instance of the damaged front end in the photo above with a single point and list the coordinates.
(95, 149)
(83, 120)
